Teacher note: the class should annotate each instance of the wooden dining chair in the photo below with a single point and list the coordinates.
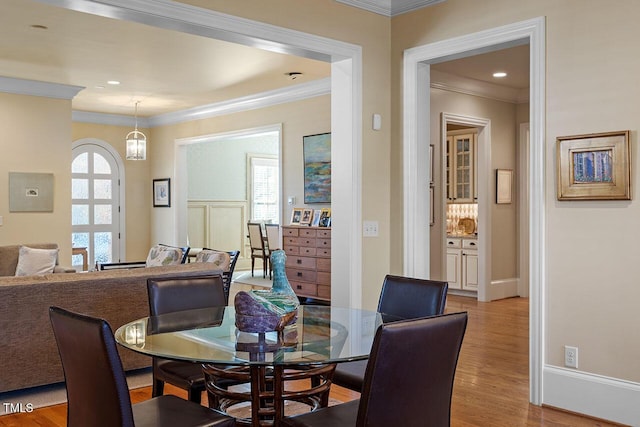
(273, 242)
(168, 295)
(258, 250)
(408, 380)
(97, 391)
(400, 298)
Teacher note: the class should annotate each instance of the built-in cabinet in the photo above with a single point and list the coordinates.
(308, 263)
(461, 167)
(462, 263)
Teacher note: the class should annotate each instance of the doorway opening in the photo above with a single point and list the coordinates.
(416, 106)
(217, 172)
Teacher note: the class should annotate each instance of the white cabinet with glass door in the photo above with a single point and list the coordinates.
(461, 167)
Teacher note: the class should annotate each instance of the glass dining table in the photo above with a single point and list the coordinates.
(309, 349)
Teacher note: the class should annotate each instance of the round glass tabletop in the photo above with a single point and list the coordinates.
(320, 335)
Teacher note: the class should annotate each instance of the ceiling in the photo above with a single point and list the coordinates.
(168, 71)
(514, 61)
(165, 70)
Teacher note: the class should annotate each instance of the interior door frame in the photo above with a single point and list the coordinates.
(416, 134)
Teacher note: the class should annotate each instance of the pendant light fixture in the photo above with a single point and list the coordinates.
(136, 142)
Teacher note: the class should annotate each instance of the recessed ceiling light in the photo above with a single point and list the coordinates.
(113, 82)
(99, 87)
(499, 74)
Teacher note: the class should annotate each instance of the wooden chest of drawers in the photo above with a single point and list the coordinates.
(308, 262)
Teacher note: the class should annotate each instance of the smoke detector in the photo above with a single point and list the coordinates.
(293, 75)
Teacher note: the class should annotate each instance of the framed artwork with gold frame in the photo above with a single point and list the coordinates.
(594, 166)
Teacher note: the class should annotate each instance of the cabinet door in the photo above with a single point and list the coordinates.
(461, 168)
(454, 258)
(470, 270)
(464, 168)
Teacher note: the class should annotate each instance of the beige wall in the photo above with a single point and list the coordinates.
(503, 156)
(137, 186)
(591, 86)
(34, 137)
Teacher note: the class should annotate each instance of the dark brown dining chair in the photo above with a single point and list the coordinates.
(401, 298)
(168, 295)
(97, 391)
(258, 249)
(408, 380)
(227, 271)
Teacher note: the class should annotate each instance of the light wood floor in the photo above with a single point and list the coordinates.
(491, 386)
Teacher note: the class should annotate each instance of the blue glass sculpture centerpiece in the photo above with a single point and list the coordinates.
(272, 310)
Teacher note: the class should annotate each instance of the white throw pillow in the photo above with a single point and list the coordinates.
(33, 262)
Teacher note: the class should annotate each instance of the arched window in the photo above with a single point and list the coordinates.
(96, 175)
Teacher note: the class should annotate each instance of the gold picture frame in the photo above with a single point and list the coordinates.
(296, 215)
(594, 166)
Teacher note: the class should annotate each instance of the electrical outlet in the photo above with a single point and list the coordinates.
(570, 356)
(370, 228)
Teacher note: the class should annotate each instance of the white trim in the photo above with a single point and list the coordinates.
(37, 88)
(390, 7)
(251, 102)
(346, 86)
(122, 252)
(523, 210)
(503, 288)
(593, 395)
(108, 119)
(416, 139)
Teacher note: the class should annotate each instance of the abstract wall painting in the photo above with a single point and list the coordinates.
(317, 168)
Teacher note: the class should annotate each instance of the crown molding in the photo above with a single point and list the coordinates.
(390, 8)
(464, 85)
(108, 119)
(293, 93)
(38, 88)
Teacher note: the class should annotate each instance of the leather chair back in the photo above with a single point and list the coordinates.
(418, 358)
(409, 298)
(167, 295)
(97, 391)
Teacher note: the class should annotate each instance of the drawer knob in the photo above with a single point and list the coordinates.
(299, 273)
(472, 244)
(298, 287)
(451, 243)
(299, 261)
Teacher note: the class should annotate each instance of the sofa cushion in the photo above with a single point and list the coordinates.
(220, 259)
(160, 255)
(33, 261)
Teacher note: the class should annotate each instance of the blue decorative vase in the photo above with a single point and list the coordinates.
(272, 310)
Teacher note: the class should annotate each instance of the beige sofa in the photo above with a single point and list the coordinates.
(9, 258)
(27, 347)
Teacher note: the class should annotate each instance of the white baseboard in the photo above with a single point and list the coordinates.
(504, 288)
(593, 395)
